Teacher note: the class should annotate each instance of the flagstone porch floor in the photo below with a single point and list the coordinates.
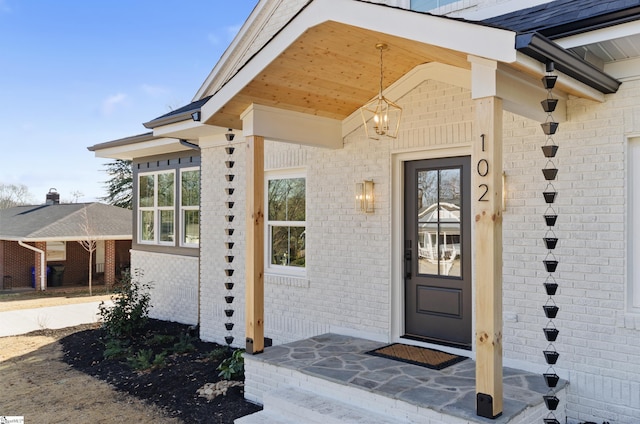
(451, 391)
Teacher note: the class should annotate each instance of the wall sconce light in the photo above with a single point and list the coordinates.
(196, 116)
(381, 116)
(364, 196)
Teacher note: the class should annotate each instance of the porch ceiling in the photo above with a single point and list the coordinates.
(331, 70)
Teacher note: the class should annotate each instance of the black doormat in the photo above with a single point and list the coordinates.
(422, 356)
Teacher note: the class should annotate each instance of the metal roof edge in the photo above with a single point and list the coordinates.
(123, 141)
(544, 50)
(181, 114)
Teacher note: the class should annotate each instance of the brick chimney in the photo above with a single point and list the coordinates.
(53, 197)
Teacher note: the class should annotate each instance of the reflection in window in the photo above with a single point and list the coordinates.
(156, 194)
(190, 206)
(286, 222)
(439, 229)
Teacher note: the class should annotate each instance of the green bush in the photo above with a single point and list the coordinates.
(184, 345)
(116, 349)
(145, 359)
(232, 368)
(131, 303)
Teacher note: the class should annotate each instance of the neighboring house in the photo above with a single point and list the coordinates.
(40, 244)
(282, 252)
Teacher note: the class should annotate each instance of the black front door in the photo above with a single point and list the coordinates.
(438, 251)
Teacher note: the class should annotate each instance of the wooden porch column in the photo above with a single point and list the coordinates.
(255, 245)
(487, 198)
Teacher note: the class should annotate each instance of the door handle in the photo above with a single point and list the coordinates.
(407, 263)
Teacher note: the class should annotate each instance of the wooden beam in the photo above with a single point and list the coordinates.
(487, 198)
(255, 245)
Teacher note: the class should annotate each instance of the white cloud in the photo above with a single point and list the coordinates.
(213, 38)
(112, 102)
(154, 90)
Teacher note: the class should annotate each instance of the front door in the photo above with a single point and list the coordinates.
(438, 251)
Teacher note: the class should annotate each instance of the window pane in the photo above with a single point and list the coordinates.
(165, 189)
(425, 5)
(287, 199)
(146, 191)
(191, 228)
(166, 226)
(146, 225)
(288, 246)
(191, 188)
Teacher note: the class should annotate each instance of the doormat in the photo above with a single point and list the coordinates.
(415, 355)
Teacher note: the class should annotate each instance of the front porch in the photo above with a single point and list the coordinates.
(329, 378)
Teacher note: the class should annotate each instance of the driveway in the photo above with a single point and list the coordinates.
(23, 321)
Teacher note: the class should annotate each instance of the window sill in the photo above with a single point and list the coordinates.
(287, 280)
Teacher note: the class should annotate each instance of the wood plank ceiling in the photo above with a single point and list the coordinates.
(331, 70)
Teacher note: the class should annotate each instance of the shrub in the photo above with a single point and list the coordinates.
(184, 345)
(145, 359)
(232, 368)
(131, 303)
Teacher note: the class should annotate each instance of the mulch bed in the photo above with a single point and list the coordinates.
(172, 387)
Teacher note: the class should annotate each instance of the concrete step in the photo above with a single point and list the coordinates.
(263, 417)
(301, 406)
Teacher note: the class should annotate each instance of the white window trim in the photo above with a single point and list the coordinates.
(156, 210)
(279, 270)
(182, 209)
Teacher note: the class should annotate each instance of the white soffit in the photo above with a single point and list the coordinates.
(478, 40)
(153, 147)
(628, 29)
(187, 130)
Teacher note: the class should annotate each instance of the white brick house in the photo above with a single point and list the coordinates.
(293, 81)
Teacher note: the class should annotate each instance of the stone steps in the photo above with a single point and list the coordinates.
(289, 405)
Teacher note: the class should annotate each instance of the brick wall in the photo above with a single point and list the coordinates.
(174, 285)
(599, 338)
(17, 262)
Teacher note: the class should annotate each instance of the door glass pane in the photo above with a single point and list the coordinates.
(439, 236)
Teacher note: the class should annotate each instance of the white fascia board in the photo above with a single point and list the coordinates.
(291, 127)
(605, 34)
(139, 150)
(74, 238)
(429, 71)
(477, 40)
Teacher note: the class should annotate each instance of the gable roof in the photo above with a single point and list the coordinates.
(65, 222)
(561, 18)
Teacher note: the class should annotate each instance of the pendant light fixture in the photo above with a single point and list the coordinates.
(381, 116)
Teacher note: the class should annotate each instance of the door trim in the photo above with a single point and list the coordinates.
(397, 245)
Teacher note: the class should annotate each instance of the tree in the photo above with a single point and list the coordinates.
(14, 195)
(89, 243)
(120, 185)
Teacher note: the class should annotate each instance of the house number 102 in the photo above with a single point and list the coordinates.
(482, 168)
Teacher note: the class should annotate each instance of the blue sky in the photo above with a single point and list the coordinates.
(74, 73)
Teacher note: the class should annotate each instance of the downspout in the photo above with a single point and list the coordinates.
(43, 281)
